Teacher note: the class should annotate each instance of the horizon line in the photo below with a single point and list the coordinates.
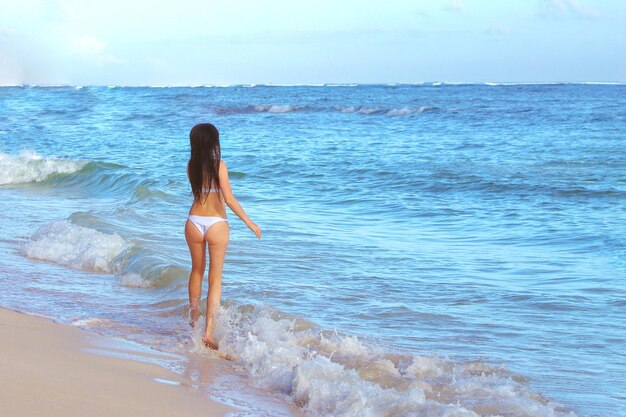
(332, 84)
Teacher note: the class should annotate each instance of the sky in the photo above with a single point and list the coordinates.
(222, 42)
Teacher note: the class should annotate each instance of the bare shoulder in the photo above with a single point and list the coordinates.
(223, 164)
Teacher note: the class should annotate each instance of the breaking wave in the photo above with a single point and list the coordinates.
(403, 111)
(94, 177)
(30, 167)
(79, 247)
(260, 108)
(75, 246)
(286, 108)
(328, 373)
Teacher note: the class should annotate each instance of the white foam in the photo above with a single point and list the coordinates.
(601, 83)
(133, 280)
(367, 110)
(400, 112)
(75, 246)
(30, 167)
(276, 108)
(90, 321)
(328, 388)
(332, 374)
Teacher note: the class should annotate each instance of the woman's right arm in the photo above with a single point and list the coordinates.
(232, 202)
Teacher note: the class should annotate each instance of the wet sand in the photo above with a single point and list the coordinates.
(50, 369)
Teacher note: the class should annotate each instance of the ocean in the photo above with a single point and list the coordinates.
(428, 249)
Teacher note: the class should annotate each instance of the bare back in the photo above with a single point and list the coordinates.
(212, 203)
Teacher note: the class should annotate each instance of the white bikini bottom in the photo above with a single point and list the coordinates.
(204, 223)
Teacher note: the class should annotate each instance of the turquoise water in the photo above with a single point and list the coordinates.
(442, 249)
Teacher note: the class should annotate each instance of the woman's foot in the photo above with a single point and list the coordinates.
(210, 342)
(208, 333)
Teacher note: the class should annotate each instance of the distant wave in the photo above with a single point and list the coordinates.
(100, 178)
(299, 85)
(552, 83)
(260, 108)
(322, 85)
(276, 108)
(445, 182)
(30, 167)
(286, 108)
(510, 83)
(329, 373)
(403, 111)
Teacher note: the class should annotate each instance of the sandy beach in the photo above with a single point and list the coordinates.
(47, 368)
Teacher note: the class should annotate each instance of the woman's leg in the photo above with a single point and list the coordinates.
(217, 237)
(197, 249)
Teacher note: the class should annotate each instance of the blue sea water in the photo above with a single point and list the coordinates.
(427, 250)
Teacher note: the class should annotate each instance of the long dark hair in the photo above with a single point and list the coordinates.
(204, 163)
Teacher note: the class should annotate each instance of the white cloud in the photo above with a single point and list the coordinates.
(566, 9)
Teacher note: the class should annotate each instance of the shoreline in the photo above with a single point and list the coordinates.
(55, 369)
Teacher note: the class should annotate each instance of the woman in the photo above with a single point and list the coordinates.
(207, 222)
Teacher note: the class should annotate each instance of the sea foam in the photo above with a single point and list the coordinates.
(30, 167)
(134, 280)
(328, 373)
(75, 246)
(277, 108)
(288, 108)
(78, 247)
(402, 111)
